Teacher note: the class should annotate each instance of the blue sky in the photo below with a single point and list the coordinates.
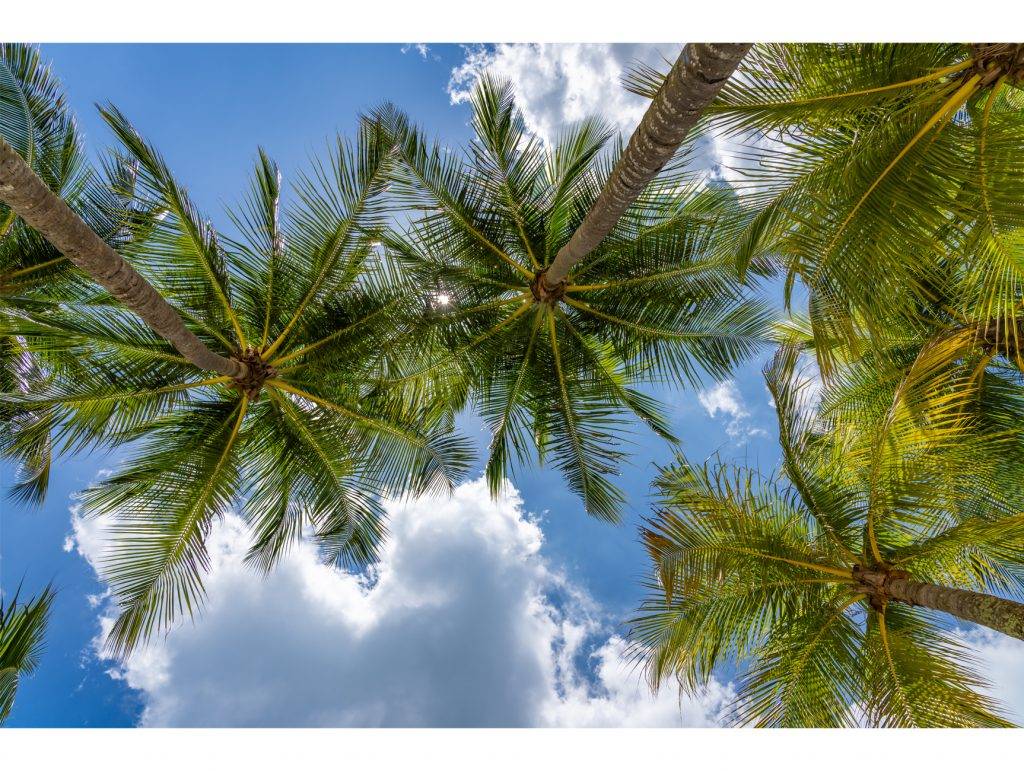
(208, 108)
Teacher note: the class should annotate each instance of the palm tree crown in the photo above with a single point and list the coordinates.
(305, 443)
(557, 368)
(799, 578)
(888, 178)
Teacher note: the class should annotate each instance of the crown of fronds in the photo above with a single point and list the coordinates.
(307, 447)
(888, 178)
(556, 374)
(758, 571)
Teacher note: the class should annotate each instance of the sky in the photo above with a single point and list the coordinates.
(506, 612)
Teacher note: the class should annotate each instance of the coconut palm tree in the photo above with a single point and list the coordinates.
(557, 368)
(21, 642)
(834, 585)
(302, 443)
(888, 179)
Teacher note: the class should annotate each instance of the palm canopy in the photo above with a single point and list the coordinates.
(557, 370)
(891, 180)
(306, 443)
(22, 626)
(768, 572)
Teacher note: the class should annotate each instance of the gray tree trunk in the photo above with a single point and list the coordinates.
(30, 198)
(1004, 616)
(695, 79)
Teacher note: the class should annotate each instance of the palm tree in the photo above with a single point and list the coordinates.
(893, 183)
(21, 642)
(830, 585)
(304, 442)
(557, 368)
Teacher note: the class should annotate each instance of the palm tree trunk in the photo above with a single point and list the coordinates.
(695, 79)
(29, 197)
(1004, 616)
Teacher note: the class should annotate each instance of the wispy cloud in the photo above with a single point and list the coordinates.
(724, 399)
(421, 48)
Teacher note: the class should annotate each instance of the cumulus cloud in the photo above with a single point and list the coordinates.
(622, 699)
(558, 84)
(724, 399)
(463, 622)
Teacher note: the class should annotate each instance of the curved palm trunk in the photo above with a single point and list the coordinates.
(1004, 616)
(695, 79)
(30, 198)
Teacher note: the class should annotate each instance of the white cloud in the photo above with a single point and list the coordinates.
(622, 698)
(807, 378)
(421, 48)
(725, 399)
(462, 622)
(557, 84)
(1001, 661)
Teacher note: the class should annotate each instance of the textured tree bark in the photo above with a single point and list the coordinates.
(1004, 616)
(30, 198)
(695, 79)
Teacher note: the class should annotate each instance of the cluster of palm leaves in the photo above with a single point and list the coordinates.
(299, 294)
(361, 343)
(763, 570)
(33, 274)
(883, 180)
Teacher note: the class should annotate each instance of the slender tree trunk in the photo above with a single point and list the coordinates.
(1004, 616)
(695, 79)
(30, 198)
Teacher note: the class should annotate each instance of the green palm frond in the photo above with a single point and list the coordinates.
(22, 626)
(885, 175)
(35, 120)
(919, 676)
